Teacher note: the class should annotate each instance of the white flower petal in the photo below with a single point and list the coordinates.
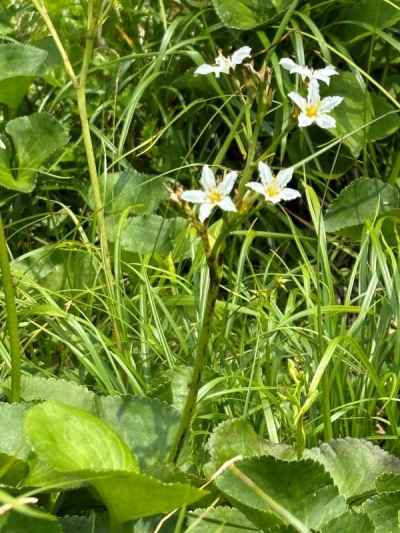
(325, 121)
(324, 74)
(2, 145)
(205, 69)
(304, 120)
(195, 197)
(299, 100)
(288, 64)
(313, 97)
(240, 55)
(257, 187)
(226, 185)
(205, 211)
(289, 194)
(207, 179)
(223, 64)
(274, 199)
(329, 103)
(227, 205)
(265, 173)
(295, 68)
(284, 176)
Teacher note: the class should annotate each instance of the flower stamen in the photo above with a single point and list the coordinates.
(214, 197)
(312, 110)
(272, 189)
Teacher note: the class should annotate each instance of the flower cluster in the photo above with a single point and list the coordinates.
(214, 194)
(223, 65)
(313, 109)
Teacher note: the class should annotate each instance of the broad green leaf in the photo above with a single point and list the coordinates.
(147, 425)
(95, 523)
(148, 234)
(19, 66)
(389, 124)
(219, 519)
(236, 437)
(378, 14)
(127, 495)
(35, 139)
(303, 488)
(354, 464)
(12, 439)
(134, 495)
(84, 448)
(19, 523)
(364, 199)
(388, 483)
(355, 110)
(60, 266)
(14, 448)
(34, 388)
(383, 510)
(69, 439)
(140, 192)
(247, 14)
(349, 522)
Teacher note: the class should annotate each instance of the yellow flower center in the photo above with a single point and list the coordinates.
(214, 197)
(312, 111)
(272, 189)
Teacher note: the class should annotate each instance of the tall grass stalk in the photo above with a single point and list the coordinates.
(12, 318)
(79, 84)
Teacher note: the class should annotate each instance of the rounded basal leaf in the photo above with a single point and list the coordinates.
(388, 483)
(219, 519)
(302, 488)
(70, 440)
(34, 388)
(350, 522)
(354, 464)
(95, 523)
(355, 110)
(378, 15)
(140, 192)
(135, 495)
(388, 124)
(12, 439)
(362, 200)
(14, 448)
(147, 425)
(148, 234)
(247, 14)
(383, 510)
(19, 66)
(35, 139)
(61, 266)
(236, 437)
(20, 523)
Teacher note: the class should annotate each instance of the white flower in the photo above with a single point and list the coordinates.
(2, 145)
(313, 76)
(313, 109)
(225, 64)
(213, 194)
(273, 188)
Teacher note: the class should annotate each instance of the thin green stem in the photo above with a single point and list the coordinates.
(79, 84)
(12, 318)
(200, 357)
